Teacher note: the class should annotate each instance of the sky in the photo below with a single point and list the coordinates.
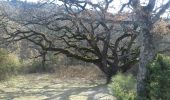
(117, 4)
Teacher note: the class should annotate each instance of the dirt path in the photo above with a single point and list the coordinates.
(48, 87)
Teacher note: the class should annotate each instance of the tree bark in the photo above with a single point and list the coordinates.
(147, 54)
(43, 61)
(109, 71)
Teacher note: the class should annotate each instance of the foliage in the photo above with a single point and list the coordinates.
(9, 64)
(123, 87)
(35, 66)
(159, 81)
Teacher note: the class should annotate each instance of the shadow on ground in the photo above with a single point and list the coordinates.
(47, 87)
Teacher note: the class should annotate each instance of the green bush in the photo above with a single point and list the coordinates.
(159, 78)
(32, 66)
(35, 66)
(9, 64)
(123, 87)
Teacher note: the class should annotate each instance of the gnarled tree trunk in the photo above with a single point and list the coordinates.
(147, 54)
(109, 71)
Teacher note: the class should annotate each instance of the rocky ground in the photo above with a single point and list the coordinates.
(49, 87)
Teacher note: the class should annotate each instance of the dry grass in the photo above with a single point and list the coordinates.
(87, 72)
(48, 87)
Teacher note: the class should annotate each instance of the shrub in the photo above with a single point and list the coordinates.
(123, 87)
(32, 66)
(159, 81)
(9, 64)
(35, 66)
